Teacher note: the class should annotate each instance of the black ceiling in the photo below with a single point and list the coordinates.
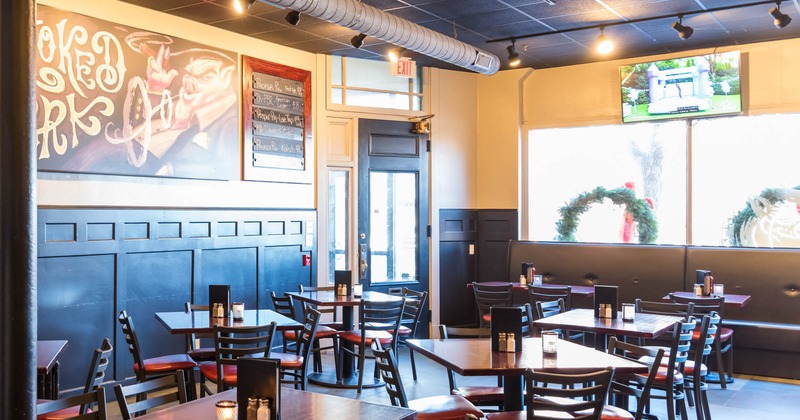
(478, 21)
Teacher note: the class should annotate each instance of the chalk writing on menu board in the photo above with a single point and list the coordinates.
(278, 122)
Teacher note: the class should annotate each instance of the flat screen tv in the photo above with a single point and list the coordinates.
(688, 87)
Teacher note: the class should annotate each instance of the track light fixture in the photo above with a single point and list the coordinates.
(293, 17)
(513, 55)
(358, 40)
(604, 45)
(242, 5)
(781, 19)
(684, 32)
(396, 53)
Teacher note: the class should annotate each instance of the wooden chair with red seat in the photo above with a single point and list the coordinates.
(415, 304)
(565, 396)
(445, 407)
(375, 320)
(194, 347)
(696, 370)
(723, 343)
(231, 343)
(96, 398)
(487, 296)
(295, 365)
(477, 395)
(150, 394)
(155, 366)
(97, 369)
(670, 379)
(326, 329)
(635, 386)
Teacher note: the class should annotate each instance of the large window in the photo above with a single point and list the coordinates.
(368, 83)
(629, 183)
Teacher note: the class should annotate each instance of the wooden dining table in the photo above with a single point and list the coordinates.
(295, 404)
(644, 325)
(731, 300)
(578, 291)
(346, 378)
(47, 353)
(200, 322)
(473, 357)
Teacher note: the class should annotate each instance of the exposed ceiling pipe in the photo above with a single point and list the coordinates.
(376, 23)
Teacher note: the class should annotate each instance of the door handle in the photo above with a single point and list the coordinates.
(362, 261)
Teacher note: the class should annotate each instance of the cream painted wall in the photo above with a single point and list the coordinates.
(55, 189)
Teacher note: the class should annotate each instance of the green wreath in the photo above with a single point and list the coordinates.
(771, 195)
(637, 207)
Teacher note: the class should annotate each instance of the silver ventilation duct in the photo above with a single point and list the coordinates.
(376, 23)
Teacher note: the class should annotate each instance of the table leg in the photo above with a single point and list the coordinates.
(512, 393)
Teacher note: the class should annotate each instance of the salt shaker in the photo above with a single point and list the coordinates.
(252, 408)
(511, 345)
(502, 342)
(263, 409)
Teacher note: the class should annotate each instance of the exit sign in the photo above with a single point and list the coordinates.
(404, 67)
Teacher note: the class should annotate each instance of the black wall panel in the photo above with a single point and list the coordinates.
(458, 231)
(92, 263)
(495, 229)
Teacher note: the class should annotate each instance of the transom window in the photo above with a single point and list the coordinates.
(368, 83)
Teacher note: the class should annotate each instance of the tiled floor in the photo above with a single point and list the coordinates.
(748, 398)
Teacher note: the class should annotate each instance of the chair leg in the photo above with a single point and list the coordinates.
(413, 365)
(682, 404)
(706, 408)
(670, 397)
(317, 356)
(699, 406)
(720, 366)
(362, 354)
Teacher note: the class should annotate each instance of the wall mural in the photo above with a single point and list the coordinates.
(113, 99)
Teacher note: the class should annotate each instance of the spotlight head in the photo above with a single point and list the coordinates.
(513, 56)
(242, 5)
(293, 17)
(396, 53)
(358, 40)
(604, 45)
(684, 32)
(781, 19)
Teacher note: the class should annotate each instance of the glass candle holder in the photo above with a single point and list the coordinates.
(719, 289)
(227, 410)
(549, 342)
(237, 309)
(628, 312)
(358, 289)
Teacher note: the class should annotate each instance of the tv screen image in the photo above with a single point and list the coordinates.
(688, 87)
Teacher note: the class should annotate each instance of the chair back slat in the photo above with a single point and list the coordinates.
(96, 398)
(584, 391)
(684, 309)
(323, 310)
(284, 305)
(487, 296)
(129, 331)
(231, 343)
(386, 365)
(702, 305)
(546, 309)
(635, 385)
(150, 394)
(550, 293)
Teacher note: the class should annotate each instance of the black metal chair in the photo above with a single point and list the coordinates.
(477, 395)
(695, 370)
(438, 407)
(635, 386)
(415, 305)
(487, 295)
(150, 394)
(670, 378)
(96, 398)
(295, 365)
(548, 293)
(326, 329)
(194, 347)
(375, 320)
(231, 343)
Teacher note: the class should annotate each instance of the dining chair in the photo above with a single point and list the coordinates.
(150, 394)
(684, 310)
(565, 396)
(723, 343)
(375, 320)
(155, 366)
(548, 293)
(670, 379)
(326, 329)
(637, 386)
(415, 305)
(545, 308)
(429, 408)
(487, 296)
(96, 398)
(477, 395)
(695, 370)
(194, 341)
(295, 365)
(97, 369)
(231, 343)
(284, 305)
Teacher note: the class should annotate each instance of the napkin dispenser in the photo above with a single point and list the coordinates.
(605, 295)
(259, 378)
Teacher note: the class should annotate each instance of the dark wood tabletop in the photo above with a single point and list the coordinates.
(198, 322)
(732, 300)
(295, 404)
(587, 291)
(473, 357)
(330, 298)
(644, 326)
(47, 352)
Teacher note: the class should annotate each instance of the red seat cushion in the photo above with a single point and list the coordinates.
(481, 395)
(487, 318)
(610, 413)
(166, 364)
(688, 368)
(444, 407)
(523, 415)
(322, 332)
(66, 413)
(202, 354)
(403, 330)
(209, 370)
(661, 376)
(725, 334)
(354, 337)
(288, 360)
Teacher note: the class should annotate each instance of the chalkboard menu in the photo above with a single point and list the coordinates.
(277, 110)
